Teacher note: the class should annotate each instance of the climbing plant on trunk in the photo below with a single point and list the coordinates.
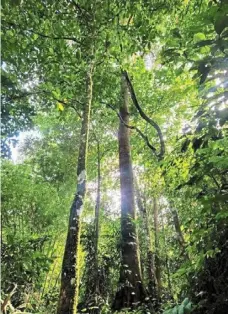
(130, 291)
(69, 278)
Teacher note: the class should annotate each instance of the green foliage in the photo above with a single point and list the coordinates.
(24, 260)
(184, 308)
(176, 55)
(31, 220)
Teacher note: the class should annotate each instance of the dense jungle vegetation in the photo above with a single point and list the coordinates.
(114, 156)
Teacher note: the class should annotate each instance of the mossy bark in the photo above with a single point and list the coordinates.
(69, 278)
(93, 286)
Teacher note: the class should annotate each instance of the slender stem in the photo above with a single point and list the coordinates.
(144, 116)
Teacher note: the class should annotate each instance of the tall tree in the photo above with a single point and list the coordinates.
(157, 258)
(69, 279)
(150, 266)
(92, 281)
(131, 291)
(97, 217)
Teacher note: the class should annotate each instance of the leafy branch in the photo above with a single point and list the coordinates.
(41, 34)
(81, 9)
(27, 94)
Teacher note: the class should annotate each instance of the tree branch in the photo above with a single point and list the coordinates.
(80, 8)
(144, 137)
(27, 94)
(144, 116)
(42, 35)
(24, 94)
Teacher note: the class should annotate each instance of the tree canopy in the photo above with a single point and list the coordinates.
(114, 156)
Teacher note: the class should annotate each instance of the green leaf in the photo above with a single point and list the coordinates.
(199, 37)
(175, 310)
(188, 308)
(56, 93)
(60, 106)
(205, 49)
(185, 302)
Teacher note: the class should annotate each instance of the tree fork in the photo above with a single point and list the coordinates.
(69, 277)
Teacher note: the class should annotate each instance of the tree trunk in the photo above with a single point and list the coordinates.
(152, 283)
(131, 291)
(180, 237)
(92, 276)
(157, 258)
(97, 217)
(92, 285)
(69, 277)
(167, 261)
